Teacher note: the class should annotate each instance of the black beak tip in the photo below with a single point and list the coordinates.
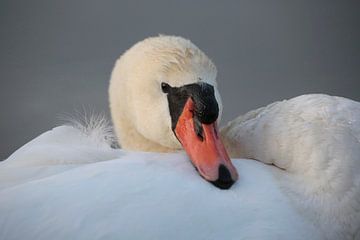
(224, 180)
(223, 185)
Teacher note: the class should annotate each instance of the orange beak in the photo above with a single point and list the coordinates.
(205, 149)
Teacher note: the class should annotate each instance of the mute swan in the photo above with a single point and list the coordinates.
(60, 186)
(315, 138)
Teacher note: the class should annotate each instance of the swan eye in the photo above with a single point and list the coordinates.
(165, 87)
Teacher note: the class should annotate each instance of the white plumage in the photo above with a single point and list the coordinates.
(86, 190)
(315, 138)
(312, 139)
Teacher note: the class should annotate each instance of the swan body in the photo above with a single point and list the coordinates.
(313, 140)
(83, 189)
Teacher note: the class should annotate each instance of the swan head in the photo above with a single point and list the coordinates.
(164, 97)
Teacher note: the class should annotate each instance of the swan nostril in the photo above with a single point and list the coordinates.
(199, 131)
(224, 180)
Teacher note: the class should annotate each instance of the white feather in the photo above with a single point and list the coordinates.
(315, 139)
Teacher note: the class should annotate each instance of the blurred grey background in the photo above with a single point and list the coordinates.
(56, 56)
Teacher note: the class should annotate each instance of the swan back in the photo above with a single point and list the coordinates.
(316, 139)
